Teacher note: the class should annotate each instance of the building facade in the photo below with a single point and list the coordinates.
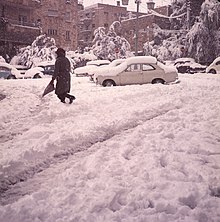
(94, 16)
(103, 15)
(21, 21)
(58, 19)
(18, 27)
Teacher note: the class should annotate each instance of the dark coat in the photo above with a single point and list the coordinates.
(62, 74)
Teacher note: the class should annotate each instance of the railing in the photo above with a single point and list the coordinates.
(23, 23)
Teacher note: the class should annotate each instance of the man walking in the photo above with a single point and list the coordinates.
(62, 76)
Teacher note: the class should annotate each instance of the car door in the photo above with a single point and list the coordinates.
(150, 72)
(132, 75)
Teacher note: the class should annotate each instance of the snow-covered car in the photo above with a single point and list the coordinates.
(83, 71)
(92, 73)
(42, 70)
(188, 65)
(22, 69)
(8, 71)
(214, 67)
(34, 73)
(138, 70)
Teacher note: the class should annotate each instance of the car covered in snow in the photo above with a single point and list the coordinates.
(138, 70)
(214, 67)
(42, 70)
(83, 71)
(8, 71)
(92, 73)
(188, 65)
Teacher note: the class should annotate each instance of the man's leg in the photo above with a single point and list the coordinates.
(62, 97)
(70, 97)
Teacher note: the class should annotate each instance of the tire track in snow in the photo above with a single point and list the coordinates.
(23, 173)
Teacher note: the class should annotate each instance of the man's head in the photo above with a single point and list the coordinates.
(60, 52)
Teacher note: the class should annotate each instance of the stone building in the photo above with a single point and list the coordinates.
(97, 15)
(17, 25)
(59, 19)
(21, 21)
(103, 15)
(144, 25)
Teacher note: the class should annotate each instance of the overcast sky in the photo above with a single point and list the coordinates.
(131, 6)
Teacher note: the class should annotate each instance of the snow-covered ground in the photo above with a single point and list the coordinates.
(124, 154)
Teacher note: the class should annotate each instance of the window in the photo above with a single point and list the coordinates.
(106, 15)
(52, 12)
(106, 25)
(52, 32)
(93, 25)
(67, 35)
(68, 16)
(147, 67)
(134, 67)
(22, 19)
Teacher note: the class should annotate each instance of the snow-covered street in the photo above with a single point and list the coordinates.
(127, 154)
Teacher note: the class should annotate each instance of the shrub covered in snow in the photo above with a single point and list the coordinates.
(110, 45)
(42, 49)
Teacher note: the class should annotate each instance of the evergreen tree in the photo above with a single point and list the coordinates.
(110, 45)
(42, 49)
(204, 36)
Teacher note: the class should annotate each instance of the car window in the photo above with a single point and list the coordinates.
(147, 67)
(2, 68)
(133, 68)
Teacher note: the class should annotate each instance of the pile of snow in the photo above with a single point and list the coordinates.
(132, 153)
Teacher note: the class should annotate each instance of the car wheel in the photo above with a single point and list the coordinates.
(108, 83)
(158, 81)
(11, 77)
(212, 71)
(37, 76)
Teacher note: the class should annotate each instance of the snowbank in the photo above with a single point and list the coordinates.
(132, 153)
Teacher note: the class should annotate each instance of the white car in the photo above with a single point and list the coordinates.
(102, 69)
(42, 70)
(138, 70)
(83, 71)
(34, 73)
(8, 71)
(214, 67)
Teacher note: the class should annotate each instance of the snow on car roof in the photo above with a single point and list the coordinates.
(185, 60)
(217, 59)
(98, 62)
(45, 63)
(141, 59)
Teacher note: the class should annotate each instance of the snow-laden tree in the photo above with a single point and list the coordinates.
(42, 49)
(179, 8)
(204, 37)
(110, 45)
(166, 45)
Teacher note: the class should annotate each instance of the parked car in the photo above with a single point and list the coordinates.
(8, 71)
(138, 70)
(22, 69)
(42, 70)
(92, 73)
(214, 67)
(188, 65)
(83, 71)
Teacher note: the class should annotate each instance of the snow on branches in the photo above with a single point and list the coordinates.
(42, 49)
(110, 45)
